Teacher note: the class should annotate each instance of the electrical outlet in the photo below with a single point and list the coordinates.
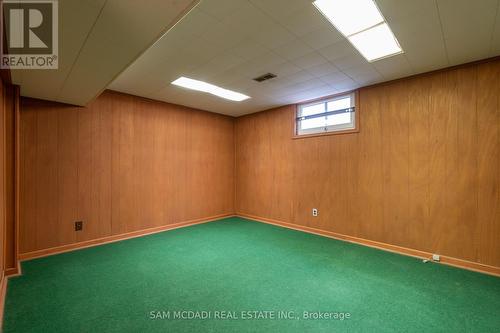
(315, 212)
(436, 257)
(78, 225)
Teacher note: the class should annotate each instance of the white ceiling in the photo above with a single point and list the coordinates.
(229, 42)
(98, 39)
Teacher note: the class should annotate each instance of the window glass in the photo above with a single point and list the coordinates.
(329, 115)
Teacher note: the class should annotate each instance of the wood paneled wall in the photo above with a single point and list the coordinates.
(121, 164)
(3, 176)
(8, 112)
(10, 104)
(422, 173)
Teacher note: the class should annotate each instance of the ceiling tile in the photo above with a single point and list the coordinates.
(338, 50)
(305, 85)
(495, 42)
(423, 44)
(248, 49)
(394, 67)
(260, 65)
(232, 41)
(292, 50)
(399, 9)
(221, 9)
(365, 74)
(272, 35)
(322, 37)
(244, 85)
(309, 60)
(467, 28)
(346, 85)
(99, 41)
(196, 23)
(286, 68)
(354, 60)
(322, 69)
(245, 20)
(276, 8)
(222, 36)
(303, 20)
(296, 78)
(334, 78)
(216, 66)
(80, 16)
(310, 94)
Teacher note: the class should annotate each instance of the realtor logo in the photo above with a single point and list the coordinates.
(30, 39)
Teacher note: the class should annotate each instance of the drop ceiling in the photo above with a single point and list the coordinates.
(230, 42)
(98, 39)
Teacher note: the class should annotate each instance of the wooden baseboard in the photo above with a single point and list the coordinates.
(13, 271)
(116, 238)
(469, 265)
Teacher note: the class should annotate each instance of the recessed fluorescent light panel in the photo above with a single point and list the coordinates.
(362, 23)
(210, 88)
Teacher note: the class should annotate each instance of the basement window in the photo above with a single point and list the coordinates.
(327, 116)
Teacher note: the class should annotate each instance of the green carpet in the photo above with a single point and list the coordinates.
(236, 265)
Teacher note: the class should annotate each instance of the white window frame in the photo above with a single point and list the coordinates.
(340, 128)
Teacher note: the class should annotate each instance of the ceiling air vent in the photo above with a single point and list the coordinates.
(265, 77)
